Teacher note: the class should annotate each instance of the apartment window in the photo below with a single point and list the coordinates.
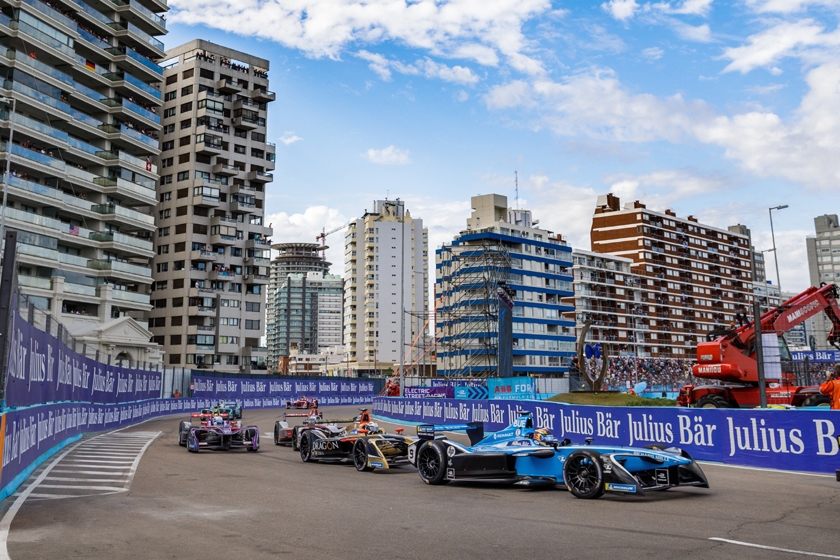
(178, 265)
(169, 129)
(181, 211)
(252, 306)
(206, 74)
(183, 193)
(169, 113)
(163, 214)
(174, 359)
(157, 321)
(252, 324)
(171, 79)
(175, 340)
(167, 162)
(177, 283)
(188, 73)
(166, 196)
(168, 145)
(163, 232)
(186, 123)
(183, 176)
(184, 141)
(235, 252)
(178, 302)
(177, 321)
(258, 137)
(186, 107)
(170, 95)
(159, 303)
(257, 153)
(239, 133)
(166, 180)
(239, 149)
(163, 250)
(253, 289)
(234, 287)
(180, 247)
(184, 158)
(186, 90)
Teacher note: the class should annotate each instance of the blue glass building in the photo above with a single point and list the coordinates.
(502, 246)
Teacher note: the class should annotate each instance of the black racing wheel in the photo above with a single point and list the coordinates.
(431, 463)
(306, 448)
(360, 456)
(583, 475)
(183, 432)
(712, 401)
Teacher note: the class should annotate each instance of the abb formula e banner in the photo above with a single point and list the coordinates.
(798, 440)
(237, 388)
(42, 369)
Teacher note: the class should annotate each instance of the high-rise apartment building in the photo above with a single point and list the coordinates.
(212, 247)
(304, 305)
(85, 112)
(503, 247)
(824, 267)
(386, 282)
(695, 277)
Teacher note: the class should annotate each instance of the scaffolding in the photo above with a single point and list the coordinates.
(467, 308)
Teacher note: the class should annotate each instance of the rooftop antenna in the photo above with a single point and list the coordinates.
(516, 183)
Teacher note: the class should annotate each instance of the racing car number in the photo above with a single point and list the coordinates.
(411, 452)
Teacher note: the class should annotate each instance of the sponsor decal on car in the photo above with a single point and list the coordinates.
(520, 443)
(324, 445)
(620, 487)
(450, 474)
(450, 451)
(377, 465)
(662, 476)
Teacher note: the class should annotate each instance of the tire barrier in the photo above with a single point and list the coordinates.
(794, 440)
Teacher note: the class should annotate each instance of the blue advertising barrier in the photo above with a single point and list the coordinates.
(797, 440)
(510, 388)
(42, 369)
(238, 388)
(31, 435)
(820, 356)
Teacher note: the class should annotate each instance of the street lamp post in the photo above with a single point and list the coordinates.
(8, 164)
(773, 235)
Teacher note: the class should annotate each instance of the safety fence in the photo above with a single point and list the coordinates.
(794, 440)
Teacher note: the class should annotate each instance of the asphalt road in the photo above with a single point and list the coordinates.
(240, 505)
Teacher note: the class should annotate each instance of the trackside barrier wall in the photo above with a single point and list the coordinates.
(29, 436)
(238, 388)
(795, 440)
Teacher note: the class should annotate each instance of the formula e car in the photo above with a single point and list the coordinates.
(523, 455)
(216, 431)
(302, 402)
(361, 442)
(288, 435)
(235, 408)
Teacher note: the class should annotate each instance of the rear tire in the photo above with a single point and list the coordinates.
(277, 433)
(360, 456)
(583, 475)
(431, 463)
(192, 443)
(712, 401)
(183, 432)
(817, 400)
(295, 446)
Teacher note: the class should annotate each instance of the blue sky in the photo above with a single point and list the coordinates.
(714, 109)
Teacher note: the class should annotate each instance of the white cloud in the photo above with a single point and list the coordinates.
(698, 34)
(289, 138)
(387, 156)
(801, 149)
(786, 6)
(461, 96)
(687, 7)
(653, 53)
(427, 67)
(784, 39)
(622, 10)
(661, 190)
(472, 29)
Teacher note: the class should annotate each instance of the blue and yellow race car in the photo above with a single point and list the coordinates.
(531, 456)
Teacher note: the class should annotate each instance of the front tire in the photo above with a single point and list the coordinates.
(583, 475)
(183, 432)
(712, 401)
(817, 400)
(192, 443)
(295, 446)
(306, 448)
(431, 463)
(360, 456)
(277, 433)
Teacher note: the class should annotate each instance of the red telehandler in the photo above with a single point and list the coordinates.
(729, 358)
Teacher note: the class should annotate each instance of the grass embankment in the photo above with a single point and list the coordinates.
(610, 399)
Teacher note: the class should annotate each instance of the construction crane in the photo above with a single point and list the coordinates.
(323, 238)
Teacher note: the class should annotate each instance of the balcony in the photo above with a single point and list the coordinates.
(259, 177)
(125, 189)
(242, 207)
(200, 329)
(228, 86)
(221, 275)
(256, 279)
(225, 169)
(139, 38)
(206, 197)
(127, 297)
(202, 255)
(138, 63)
(202, 311)
(208, 144)
(125, 217)
(141, 15)
(122, 242)
(263, 96)
(122, 268)
(257, 243)
(202, 292)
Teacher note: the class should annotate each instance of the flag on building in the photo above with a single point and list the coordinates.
(74, 230)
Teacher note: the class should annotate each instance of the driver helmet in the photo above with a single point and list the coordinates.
(543, 436)
(372, 428)
(218, 420)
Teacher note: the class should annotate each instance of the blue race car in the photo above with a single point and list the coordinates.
(524, 455)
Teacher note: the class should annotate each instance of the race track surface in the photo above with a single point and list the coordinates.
(245, 506)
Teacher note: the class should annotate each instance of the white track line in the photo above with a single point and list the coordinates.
(774, 548)
(777, 471)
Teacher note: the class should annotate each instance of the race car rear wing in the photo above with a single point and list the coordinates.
(474, 430)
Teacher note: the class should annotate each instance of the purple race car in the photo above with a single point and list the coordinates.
(218, 433)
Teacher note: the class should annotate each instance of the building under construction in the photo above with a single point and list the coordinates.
(501, 249)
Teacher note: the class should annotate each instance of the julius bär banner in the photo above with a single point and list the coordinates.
(237, 388)
(798, 440)
(41, 369)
